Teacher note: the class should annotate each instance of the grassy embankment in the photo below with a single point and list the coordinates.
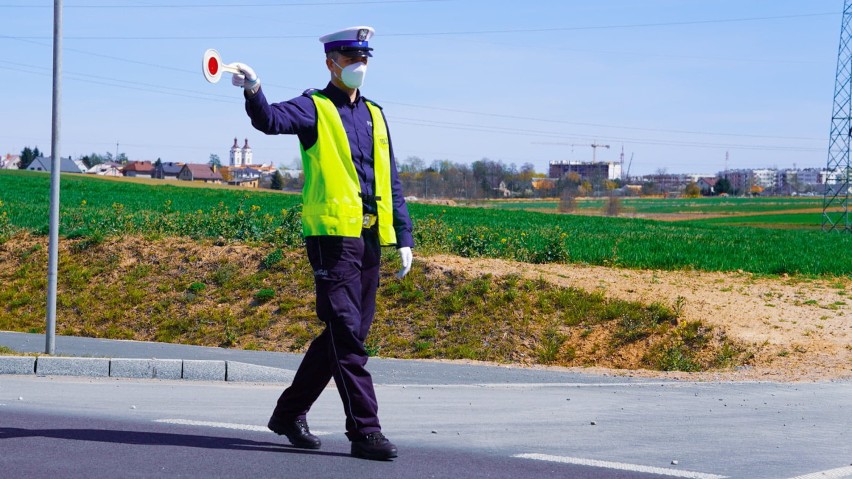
(223, 267)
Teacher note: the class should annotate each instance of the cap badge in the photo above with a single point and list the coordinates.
(362, 34)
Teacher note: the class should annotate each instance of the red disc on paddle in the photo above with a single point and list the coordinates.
(212, 66)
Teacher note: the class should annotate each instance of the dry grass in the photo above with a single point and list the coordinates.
(252, 297)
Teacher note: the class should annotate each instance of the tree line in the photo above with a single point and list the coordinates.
(28, 155)
(481, 179)
(484, 178)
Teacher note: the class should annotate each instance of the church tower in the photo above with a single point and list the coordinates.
(246, 154)
(237, 158)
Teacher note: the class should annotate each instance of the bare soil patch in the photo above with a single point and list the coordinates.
(800, 329)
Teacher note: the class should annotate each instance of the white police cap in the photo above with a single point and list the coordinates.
(352, 41)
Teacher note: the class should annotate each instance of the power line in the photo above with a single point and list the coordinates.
(470, 112)
(449, 33)
(450, 110)
(598, 125)
(194, 94)
(611, 27)
(130, 85)
(227, 5)
(585, 138)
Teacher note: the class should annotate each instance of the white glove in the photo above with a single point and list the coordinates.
(406, 256)
(246, 79)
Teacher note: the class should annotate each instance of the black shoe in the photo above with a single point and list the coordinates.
(296, 431)
(373, 446)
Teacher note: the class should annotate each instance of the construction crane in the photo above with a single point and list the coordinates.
(835, 205)
(595, 147)
(625, 176)
(629, 164)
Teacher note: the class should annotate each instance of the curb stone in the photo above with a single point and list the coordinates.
(246, 372)
(17, 364)
(197, 370)
(56, 366)
(204, 370)
(146, 368)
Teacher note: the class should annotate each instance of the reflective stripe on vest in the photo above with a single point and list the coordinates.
(331, 195)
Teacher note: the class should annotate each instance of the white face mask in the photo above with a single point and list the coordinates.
(353, 75)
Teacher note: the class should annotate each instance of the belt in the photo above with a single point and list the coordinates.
(368, 221)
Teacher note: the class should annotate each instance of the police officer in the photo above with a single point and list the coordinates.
(352, 205)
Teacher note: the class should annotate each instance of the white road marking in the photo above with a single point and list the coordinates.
(839, 473)
(536, 385)
(620, 466)
(226, 425)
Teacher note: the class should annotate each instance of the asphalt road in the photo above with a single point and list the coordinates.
(448, 420)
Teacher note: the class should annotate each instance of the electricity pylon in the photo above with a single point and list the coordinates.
(835, 206)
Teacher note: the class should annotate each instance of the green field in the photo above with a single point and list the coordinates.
(788, 220)
(705, 205)
(95, 208)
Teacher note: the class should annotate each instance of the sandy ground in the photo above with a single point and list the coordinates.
(800, 329)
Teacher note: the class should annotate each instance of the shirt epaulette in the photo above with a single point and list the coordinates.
(310, 91)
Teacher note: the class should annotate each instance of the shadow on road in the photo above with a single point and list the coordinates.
(157, 439)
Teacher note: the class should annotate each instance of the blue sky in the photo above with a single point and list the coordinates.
(676, 83)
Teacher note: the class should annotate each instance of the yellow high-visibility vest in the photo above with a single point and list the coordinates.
(331, 197)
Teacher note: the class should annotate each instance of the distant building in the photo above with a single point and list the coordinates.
(106, 169)
(10, 162)
(240, 157)
(828, 176)
(809, 176)
(766, 178)
(741, 180)
(591, 171)
(139, 169)
(167, 170)
(199, 172)
(668, 182)
(246, 177)
(697, 176)
(707, 184)
(66, 165)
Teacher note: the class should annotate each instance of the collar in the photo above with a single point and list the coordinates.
(338, 96)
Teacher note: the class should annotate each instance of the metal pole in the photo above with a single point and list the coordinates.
(55, 167)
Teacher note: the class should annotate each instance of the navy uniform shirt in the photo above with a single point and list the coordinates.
(299, 116)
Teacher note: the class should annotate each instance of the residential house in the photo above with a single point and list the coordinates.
(199, 172)
(265, 170)
(245, 182)
(10, 162)
(66, 165)
(105, 169)
(246, 177)
(138, 169)
(503, 190)
(707, 184)
(167, 170)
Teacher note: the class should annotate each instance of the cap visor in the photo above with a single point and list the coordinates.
(355, 53)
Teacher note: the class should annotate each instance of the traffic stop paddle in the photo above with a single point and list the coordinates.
(213, 67)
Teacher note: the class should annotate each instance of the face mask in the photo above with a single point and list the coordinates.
(353, 75)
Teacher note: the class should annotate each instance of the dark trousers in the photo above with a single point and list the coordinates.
(346, 274)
